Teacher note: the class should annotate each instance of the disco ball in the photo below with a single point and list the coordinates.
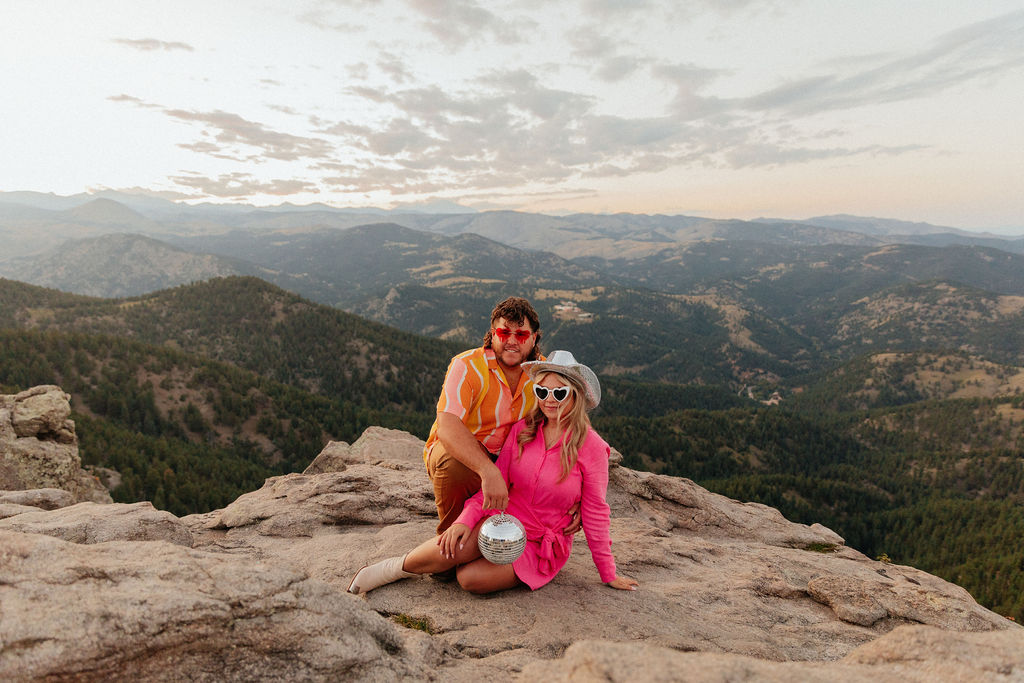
(502, 539)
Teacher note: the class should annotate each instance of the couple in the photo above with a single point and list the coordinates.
(551, 468)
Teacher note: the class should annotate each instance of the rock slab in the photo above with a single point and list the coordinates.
(156, 611)
(38, 446)
(728, 591)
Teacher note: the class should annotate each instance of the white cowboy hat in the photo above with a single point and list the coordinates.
(563, 363)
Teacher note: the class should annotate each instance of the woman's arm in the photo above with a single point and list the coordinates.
(596, 515)
(594, 510)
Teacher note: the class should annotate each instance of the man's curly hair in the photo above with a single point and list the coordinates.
(516, 310)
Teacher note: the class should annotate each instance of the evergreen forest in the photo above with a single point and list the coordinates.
(196, 394)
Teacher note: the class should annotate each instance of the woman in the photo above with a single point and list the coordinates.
(550, 460)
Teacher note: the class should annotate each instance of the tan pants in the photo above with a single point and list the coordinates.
(453, 483)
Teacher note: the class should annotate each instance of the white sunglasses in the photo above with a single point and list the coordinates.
(557, 393)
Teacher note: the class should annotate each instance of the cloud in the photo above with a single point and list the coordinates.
(456, 23)
(394, 68)
(130, 99)
(213, 150)
(321, 16)
(602, 54)
(765, 154)
(232, 130)
(611, 7)
(241, 185)
(618, 9)
(512, 131)
(509, 130)
(227, 136)
(976, 51)
(358, 72)
(151, 44)
(523, 90)
(689, 80)
(613, 69)
(453, 23)
(141, 191)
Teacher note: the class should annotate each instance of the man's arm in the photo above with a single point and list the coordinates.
(460, 443)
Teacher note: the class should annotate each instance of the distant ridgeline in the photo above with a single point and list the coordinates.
(196, 393)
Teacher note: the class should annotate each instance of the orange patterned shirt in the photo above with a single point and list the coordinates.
(475, 390)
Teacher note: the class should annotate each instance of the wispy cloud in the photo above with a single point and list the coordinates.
(131, 99)
(152, 44)
(323, 15)
(765, 154)
(240, 185)
(456, 23)
(232, 131)
(602, 53)
(453, 23)
(969, 53)
(142, 191)
(615, 7)
(689, 81)
(226, 135)
(397, 70)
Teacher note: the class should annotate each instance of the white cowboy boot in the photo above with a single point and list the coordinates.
(376, 575)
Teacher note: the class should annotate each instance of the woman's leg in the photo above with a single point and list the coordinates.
(475, 574)
(481, 576)
(426, 558)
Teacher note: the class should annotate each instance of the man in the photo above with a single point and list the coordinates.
(485, 392)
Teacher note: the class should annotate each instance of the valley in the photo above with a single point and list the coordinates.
(219, 345)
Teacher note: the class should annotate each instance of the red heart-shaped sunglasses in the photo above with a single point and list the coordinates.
(503, 334)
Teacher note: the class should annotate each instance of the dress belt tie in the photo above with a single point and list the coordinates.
(552, 546)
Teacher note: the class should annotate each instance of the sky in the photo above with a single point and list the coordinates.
(721, 108)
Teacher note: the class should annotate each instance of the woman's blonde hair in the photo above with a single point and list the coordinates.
(574, 421)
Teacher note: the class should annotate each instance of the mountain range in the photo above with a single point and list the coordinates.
(798, 300)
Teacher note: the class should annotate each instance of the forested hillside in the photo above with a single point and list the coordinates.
(197, 393)
(259, 327)
(938, 485)
(183, 431)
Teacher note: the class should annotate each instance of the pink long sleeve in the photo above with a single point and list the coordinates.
(594, 510)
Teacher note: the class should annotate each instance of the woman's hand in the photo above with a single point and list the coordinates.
(624, 583)
(452, 539)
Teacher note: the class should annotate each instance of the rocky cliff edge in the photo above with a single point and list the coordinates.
(256, 591)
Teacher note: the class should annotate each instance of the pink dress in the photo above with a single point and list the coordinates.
(541, 503)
